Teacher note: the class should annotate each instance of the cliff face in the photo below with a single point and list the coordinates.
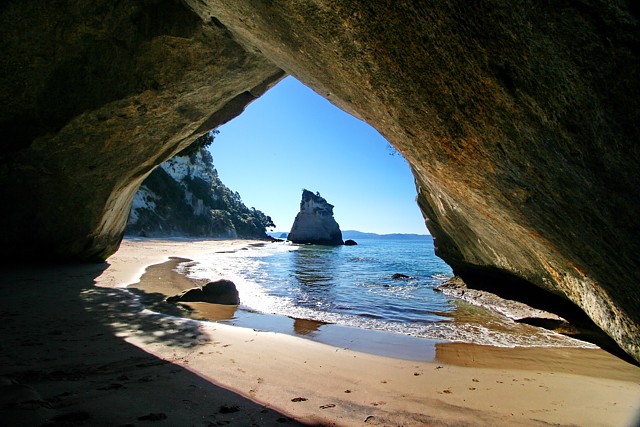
(185, 197)
(314, 223)
(520, 120)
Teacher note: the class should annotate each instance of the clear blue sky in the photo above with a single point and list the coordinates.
(291, 138)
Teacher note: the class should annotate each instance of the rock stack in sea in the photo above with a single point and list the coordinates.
(315, 224)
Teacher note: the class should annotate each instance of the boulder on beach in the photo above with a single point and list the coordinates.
(218, 292)
(315, 224)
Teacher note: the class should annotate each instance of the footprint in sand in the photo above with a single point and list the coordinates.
(327, 406)
(72, 418)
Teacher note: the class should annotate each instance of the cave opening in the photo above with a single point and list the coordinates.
(292, 138)
(135, 82)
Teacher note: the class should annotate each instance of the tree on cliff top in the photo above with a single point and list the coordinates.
(203, 141)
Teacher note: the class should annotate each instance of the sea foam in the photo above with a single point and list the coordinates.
(355, 289)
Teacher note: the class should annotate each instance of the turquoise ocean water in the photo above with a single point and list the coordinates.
(353, 286)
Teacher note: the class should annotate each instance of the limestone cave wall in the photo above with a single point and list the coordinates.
(520, 120)
(95, 94)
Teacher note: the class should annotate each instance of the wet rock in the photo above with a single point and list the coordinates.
(510, 308)
(218, 292)
(350, 242)
(315, 224)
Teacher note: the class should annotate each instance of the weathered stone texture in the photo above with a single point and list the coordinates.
(218, 292)
(96, 94)
(315, 224)
(521, 120)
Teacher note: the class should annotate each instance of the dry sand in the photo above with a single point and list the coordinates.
(76, 350)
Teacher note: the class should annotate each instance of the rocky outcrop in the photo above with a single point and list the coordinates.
(520, 121)
(185, 197)
(530, 305)
(218, 292)
(314, 224)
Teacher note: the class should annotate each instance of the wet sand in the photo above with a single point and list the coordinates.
(76, 348)
(162, 280)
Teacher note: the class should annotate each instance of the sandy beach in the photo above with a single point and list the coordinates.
(80, 349)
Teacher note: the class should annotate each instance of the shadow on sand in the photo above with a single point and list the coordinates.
(64, 358)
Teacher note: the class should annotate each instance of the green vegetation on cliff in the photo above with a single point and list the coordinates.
(185, 197)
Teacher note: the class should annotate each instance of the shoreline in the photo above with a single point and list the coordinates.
(89, 350)
(162, 280)
(476, 322)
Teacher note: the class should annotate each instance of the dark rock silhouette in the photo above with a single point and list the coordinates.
(218, 292)
(314, 224)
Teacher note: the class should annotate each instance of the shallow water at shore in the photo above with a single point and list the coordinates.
(87, 347)
(491, 385)
(319, 292)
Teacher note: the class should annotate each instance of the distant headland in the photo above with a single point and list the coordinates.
(353, 234)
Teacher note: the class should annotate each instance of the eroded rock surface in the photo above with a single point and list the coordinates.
(95, 94)
(520, 120)
(218, 292)
(521, 123)
(315, 224)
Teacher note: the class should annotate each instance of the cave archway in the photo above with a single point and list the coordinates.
(519, 122)
(292, 138)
